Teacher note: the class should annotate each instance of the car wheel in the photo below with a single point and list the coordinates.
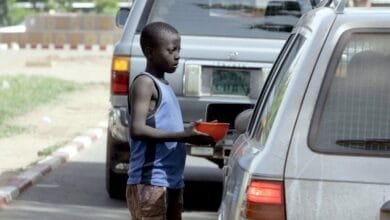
(115, 183)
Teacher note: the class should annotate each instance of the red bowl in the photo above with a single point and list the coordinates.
(217, 130)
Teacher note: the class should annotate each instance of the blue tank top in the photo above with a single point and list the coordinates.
(160, 163)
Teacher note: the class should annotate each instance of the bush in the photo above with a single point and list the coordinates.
(106, 6)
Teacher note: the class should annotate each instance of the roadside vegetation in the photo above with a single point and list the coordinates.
(11, 14)
(50, 149)
(21, 94)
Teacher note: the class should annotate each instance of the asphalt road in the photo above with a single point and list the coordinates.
(76, 191)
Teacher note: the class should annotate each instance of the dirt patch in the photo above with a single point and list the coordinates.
(56, 123)
(63, 119)
(80, 66)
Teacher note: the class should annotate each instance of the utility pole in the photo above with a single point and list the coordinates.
(3, 13)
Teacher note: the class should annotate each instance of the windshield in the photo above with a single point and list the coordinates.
(231, 18)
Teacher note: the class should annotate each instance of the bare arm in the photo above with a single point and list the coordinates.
(141, 94)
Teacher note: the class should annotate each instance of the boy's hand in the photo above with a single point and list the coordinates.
(196, 137)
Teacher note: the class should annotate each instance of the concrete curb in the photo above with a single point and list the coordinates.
(78, 47)
(16, 185)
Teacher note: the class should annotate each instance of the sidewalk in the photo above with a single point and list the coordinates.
(71, 123)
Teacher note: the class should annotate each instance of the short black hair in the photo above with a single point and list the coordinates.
(154, 31)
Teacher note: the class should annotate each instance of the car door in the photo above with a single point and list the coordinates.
(339, 158)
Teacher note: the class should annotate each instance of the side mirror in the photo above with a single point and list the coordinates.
(121, 17)
(242, 120)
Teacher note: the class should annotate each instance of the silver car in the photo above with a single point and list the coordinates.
(228, 48)
(318, 143)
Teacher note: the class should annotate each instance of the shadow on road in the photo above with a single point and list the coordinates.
(203, 188)
(83, 184)
(202, 196)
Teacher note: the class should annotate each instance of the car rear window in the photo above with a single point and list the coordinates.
(352, 115)
(231, 18)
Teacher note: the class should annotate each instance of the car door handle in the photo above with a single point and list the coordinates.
(386, 207)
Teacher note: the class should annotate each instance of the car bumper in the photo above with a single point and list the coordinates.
(118, 124)
(220, 151)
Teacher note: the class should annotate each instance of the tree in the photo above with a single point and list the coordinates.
(12, 15)
(16, 15)
(4, 13)
(106, 6)
(64, 5)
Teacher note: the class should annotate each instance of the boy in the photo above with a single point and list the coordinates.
(157, 152)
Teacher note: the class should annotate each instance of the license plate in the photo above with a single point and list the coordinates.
(202, 151)
(230, 82)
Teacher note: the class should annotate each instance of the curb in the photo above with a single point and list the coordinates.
(78, 47)
(16, 185)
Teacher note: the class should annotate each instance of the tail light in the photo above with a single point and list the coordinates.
(120, 72)
(264, 200)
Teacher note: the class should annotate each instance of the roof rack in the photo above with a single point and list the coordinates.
(337, 5)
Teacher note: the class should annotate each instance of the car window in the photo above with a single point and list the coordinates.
(352, 114)
(233, 18)
(269, 79)
(277, 91)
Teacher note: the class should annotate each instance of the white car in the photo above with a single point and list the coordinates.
(318, 143)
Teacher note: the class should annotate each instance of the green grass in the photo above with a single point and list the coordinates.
(20, 94)
(8, 130)
(49, 150)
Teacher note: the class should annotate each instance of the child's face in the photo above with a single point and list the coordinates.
(167, 53)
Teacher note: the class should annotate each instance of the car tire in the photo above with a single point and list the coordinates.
(115, 183)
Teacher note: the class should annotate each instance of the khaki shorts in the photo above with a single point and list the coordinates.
(147, 202)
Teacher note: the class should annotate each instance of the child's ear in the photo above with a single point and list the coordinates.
(148, 51)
